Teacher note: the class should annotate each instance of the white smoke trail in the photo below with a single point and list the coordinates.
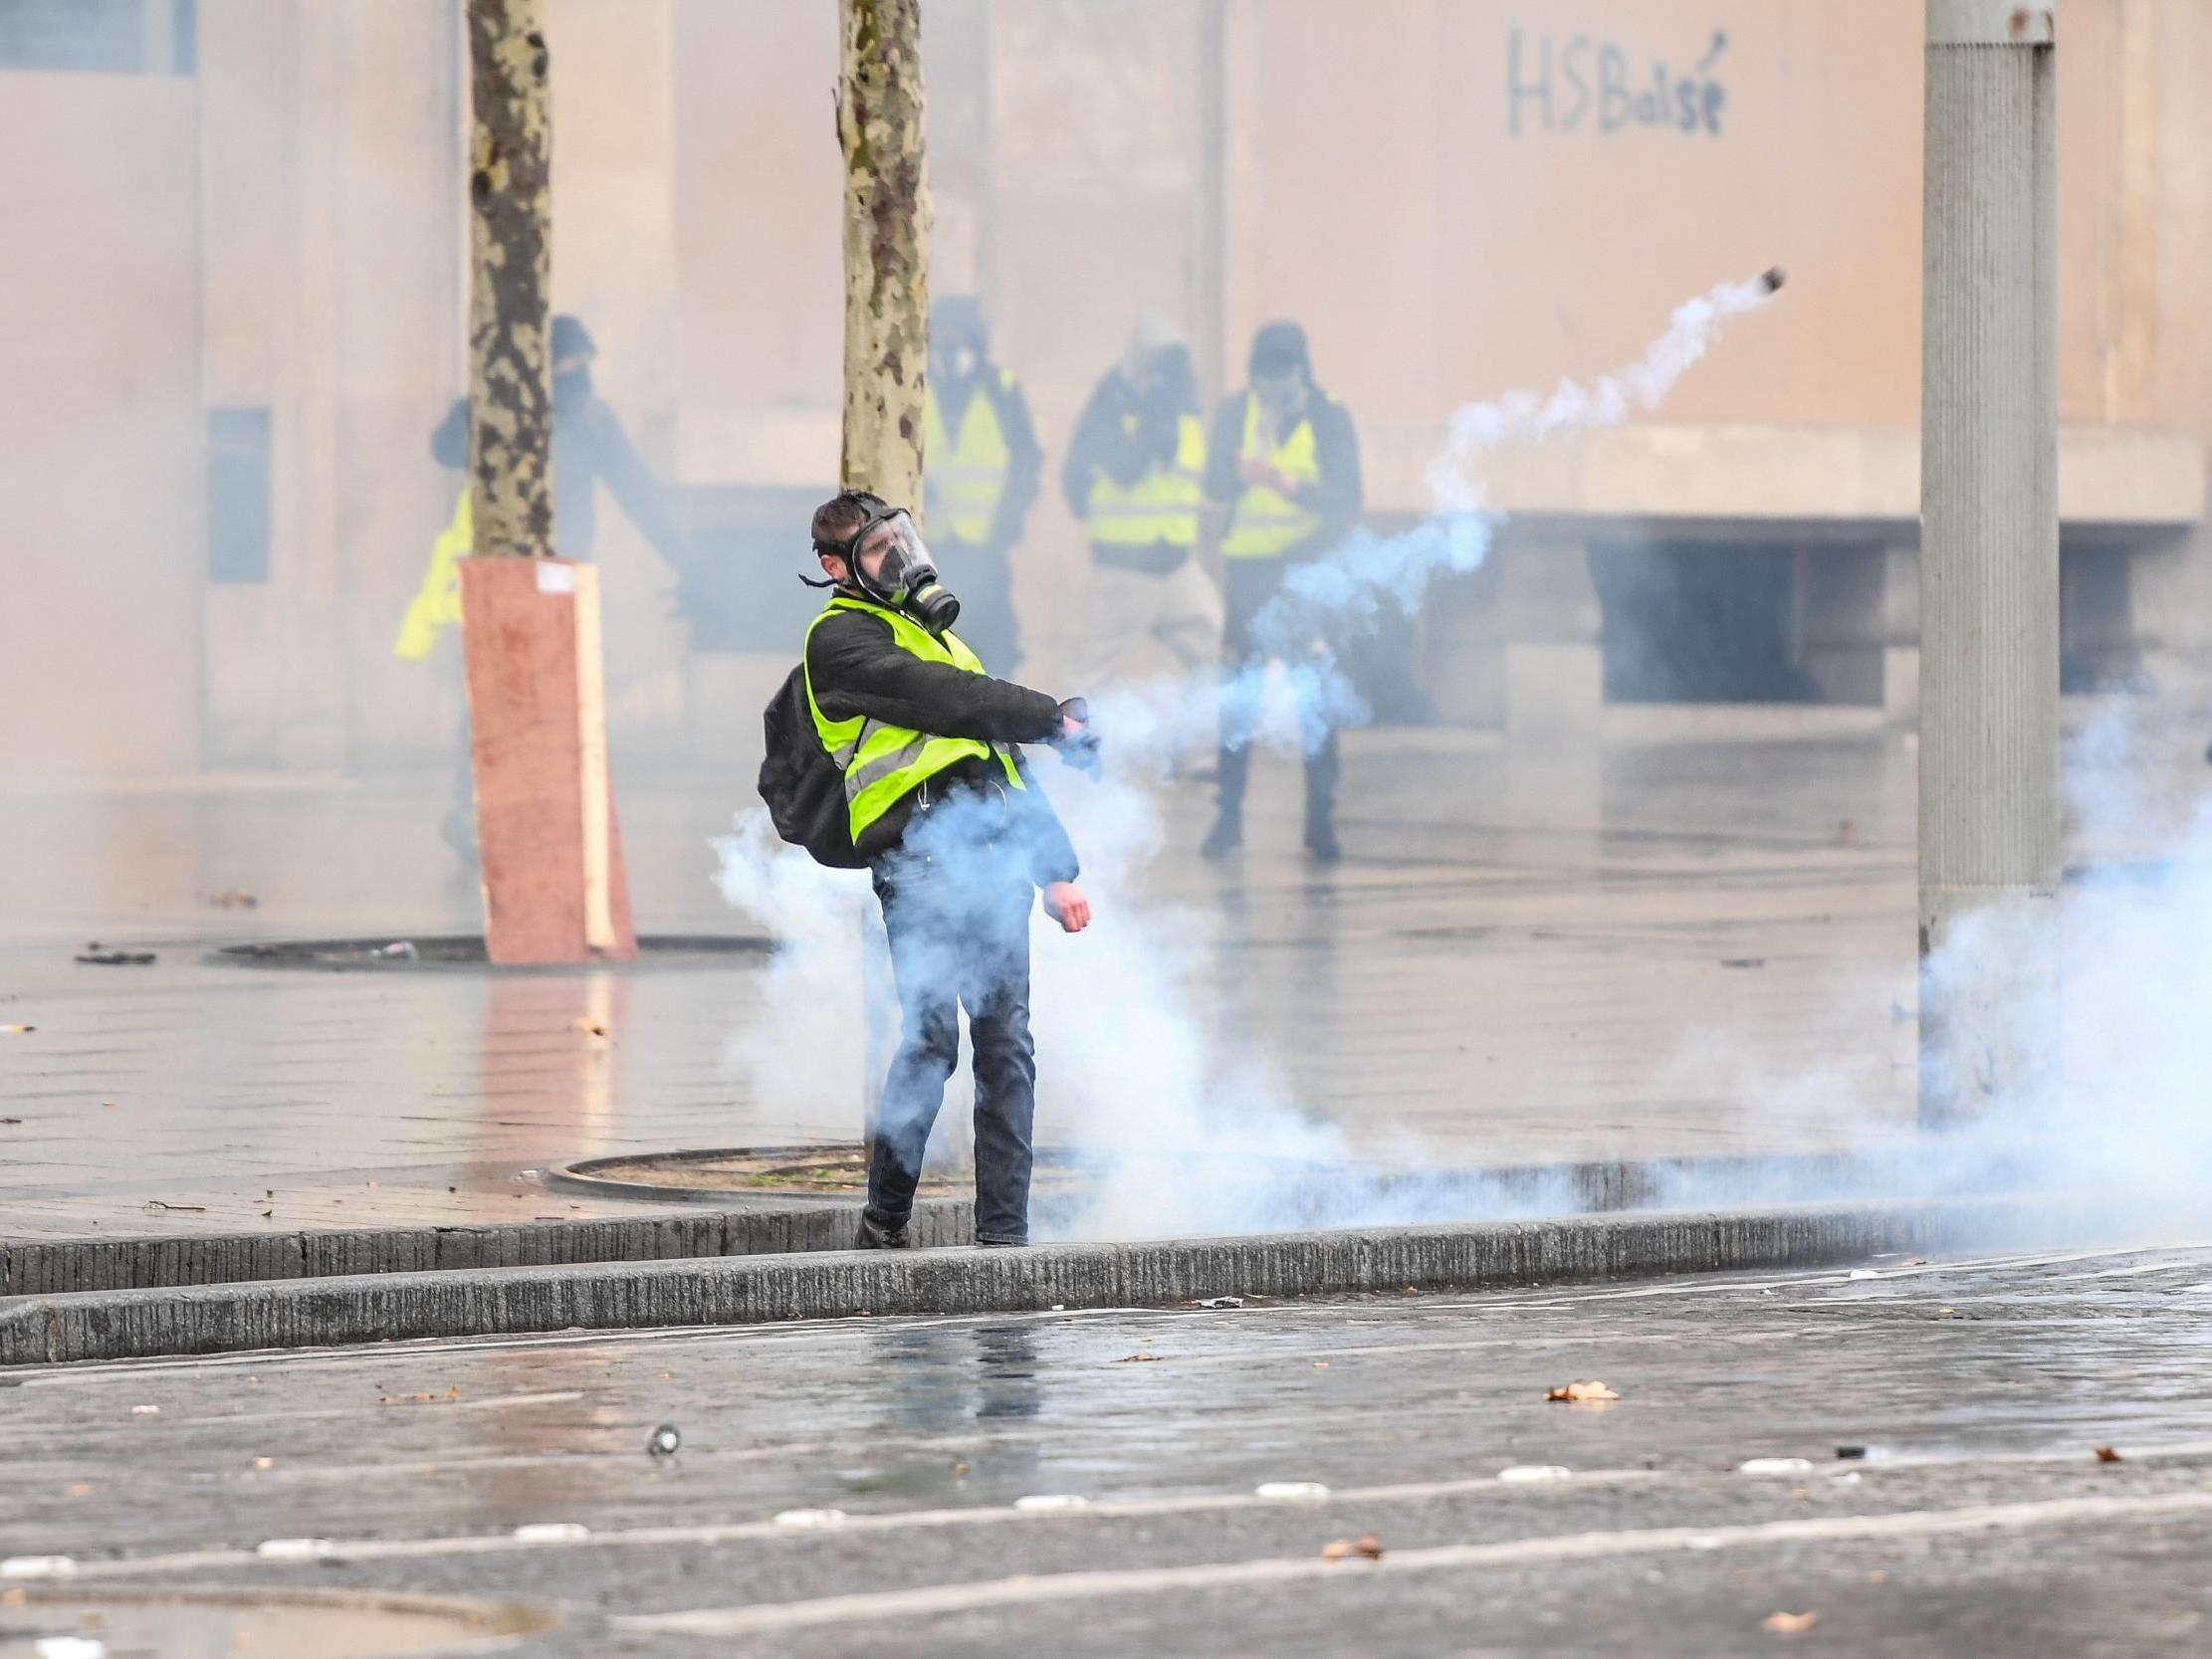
(1184, 1129)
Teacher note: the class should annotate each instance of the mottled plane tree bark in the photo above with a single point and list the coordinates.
(887, 239)
(510, 274)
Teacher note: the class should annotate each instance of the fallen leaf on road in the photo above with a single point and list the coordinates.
(1578, 1394)
(1789, 1624)
(2107, 1454)
(1343, 1548)
(589, 1026)
(1135, 1359)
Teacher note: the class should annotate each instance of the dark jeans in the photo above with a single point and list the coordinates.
(1252, 584)
(958, 923)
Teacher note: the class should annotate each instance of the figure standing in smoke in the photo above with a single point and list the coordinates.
(1286, 461)
(1135, 478)
(980, 466)
(589, 447)
(956, 834)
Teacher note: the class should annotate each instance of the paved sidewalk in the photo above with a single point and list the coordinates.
(1662, 950)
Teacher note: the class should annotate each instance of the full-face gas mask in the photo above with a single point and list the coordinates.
(905, 576)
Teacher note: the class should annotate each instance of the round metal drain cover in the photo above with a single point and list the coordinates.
(830, 1170)
(466, 951)
(38, 1623)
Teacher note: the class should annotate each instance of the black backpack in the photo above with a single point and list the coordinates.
(802, 786)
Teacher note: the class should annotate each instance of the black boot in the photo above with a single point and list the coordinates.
(1321, 774)
(874, 1235)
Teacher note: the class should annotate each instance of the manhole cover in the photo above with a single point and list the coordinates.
(466, 951)
(222, 1624)
(829, 1171)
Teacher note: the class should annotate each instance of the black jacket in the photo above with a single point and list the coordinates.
(1337, 495)
(589, 447)
(858, 668)
(1121, 435)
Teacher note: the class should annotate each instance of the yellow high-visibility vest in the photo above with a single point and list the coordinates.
(882, 762)
(1266, 520)
(965, 477)
(1162, 504)
(437, 603)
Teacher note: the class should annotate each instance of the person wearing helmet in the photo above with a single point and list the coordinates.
(1286, 461)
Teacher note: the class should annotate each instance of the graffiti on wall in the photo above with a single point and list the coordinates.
(1590, 83)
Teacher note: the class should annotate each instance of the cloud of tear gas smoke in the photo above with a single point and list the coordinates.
(2118, 1128)
(1178, 1125)
(1330, 599)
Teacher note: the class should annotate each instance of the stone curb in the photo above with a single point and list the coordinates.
(746, 1290)
(54, 1267)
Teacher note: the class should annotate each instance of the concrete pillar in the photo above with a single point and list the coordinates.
(1989, 592)
(1859, 628)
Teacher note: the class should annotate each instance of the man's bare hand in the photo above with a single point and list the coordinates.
(1064, 902)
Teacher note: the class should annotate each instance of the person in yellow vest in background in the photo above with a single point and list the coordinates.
(1135, 479)
(1286, 461)
(980, 466)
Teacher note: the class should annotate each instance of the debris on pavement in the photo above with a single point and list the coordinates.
(2108, 1454)
(667, 1441)
(1744, 962)
(96, 955)
(1532, 1474)
(1862, 1273)
(1775, 1466)
(399, 951)
(1582, 1394)
(1053, 1501)
(16, 1030)
(551, 1531)
(1136, 1358)
(4, 1120)
(1789, 1624)
(1851, 1451)
(234, 899)
(1220, 1301)
(145, 1411)
(39, 1566)
(810, 1518)
(68, 1647)
(1302, 1491)
(181, 1209)
(265, 1463)
(294, 1548)
(590, 1027)
(1343, 1548)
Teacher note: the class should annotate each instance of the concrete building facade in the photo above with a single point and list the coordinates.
(237, 313)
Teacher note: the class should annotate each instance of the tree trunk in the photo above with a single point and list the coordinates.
(554, 887)
(887, 237)
(509, 255)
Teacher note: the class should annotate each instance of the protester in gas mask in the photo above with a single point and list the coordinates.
(1133, 477)
(980, 466)
(956, 834)
(1285, 462)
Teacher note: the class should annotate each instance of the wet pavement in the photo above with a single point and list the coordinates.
(1648, 951)
(1641, 949)
(1980, 1520)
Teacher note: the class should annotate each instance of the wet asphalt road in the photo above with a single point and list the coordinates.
(1980, 1522)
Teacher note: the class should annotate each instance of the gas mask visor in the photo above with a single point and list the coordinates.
(891, 564)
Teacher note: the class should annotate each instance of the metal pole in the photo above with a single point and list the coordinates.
(1989, 563)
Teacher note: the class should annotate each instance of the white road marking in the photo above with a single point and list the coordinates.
(883, 1605)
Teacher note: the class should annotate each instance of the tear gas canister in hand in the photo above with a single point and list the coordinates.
(1078, 748)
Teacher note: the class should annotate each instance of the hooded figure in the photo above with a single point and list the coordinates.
(1135, 479)
(1285, 462)
(980, 470)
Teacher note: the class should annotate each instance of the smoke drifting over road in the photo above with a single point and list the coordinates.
(1182, 1125)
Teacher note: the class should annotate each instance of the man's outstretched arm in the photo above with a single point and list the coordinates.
(857, 668)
